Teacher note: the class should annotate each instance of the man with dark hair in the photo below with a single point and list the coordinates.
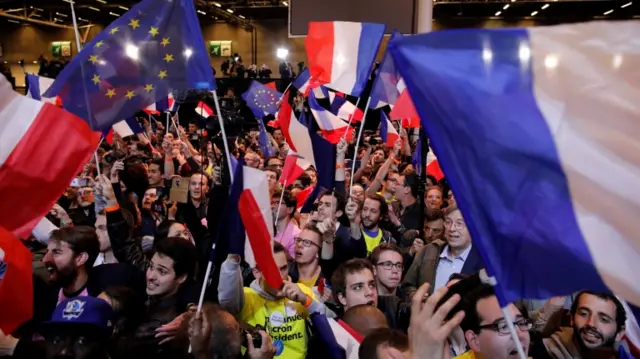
(286, 229)
(406, 193)
(485, 326)
(273, 174)
(353, 283)
(388, 262)
(598, 324)
(156, 172)
(385, 343)
(366, 222)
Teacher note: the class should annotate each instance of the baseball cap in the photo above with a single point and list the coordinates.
(89, 311)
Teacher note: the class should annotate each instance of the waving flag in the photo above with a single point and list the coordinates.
(538, 174)
(294, 167)
(263, 140)
(128, 127)
(344, 109)
(387, 131)
(337, 336)
(341, 54)
(333, 128)
(16, 282)
(416, 158)
(204, 110)
(250, 223)
(403, 108)
(153, 48)
(42, 147)
(37, 85)
(388, 83)
(302, 81)
(261, 99)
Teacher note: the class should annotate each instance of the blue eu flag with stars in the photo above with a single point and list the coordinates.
(153, 48)
(261, 99)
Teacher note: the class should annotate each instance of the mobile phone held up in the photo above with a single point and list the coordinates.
(80, 182)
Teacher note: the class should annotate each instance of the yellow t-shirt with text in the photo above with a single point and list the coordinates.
(284, 320)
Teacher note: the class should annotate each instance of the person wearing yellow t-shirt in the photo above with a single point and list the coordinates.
(366, 223)
(283, 312)
(305, 269)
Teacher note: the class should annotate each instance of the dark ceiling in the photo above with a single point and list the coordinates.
(244, 11)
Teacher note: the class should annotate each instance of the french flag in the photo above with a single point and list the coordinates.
(344, 109)
(294, 167)
(388, 133)
(250, 222)
(171, 103)
(340, 340)
(341, 54)
(42, 147)
(545, 165)
(204, 110)
(333, 128)
(302, 82)
(128, 127)
(38, 85)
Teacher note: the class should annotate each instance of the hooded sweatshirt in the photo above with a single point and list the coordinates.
(284, 319)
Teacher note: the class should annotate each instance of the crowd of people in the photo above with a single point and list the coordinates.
(120, 260)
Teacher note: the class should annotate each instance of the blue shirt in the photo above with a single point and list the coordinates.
(448, 266)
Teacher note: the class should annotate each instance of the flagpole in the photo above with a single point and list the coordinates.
(168, 117)
(224, 134)
(355, 154)
(351, 116)
(284, 185)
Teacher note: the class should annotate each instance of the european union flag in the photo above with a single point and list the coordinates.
(262, 100)
(153, 48)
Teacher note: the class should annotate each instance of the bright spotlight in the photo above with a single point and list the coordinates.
(282, 53)
(188, 52)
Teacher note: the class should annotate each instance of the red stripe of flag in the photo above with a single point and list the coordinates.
(319, 44)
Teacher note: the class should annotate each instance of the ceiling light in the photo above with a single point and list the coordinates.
(285, 3)
(101, 1)
(85, 20)
(242, 17)
(498, 13)
(69, 1)
(13, 21)
(113, 13)
(230, 11)
(505, 7)
(544, 6)
(534, 13)
(216, 4)
(36, 15)
(123, 7)
(627, 4)
(63, 15)
(608, 12)
(201, 12)
(94, 8)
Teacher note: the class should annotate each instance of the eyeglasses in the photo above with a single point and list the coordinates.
(306, 243)
(389, 265)
(502, 327)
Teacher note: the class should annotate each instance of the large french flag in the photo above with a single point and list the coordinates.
(38, 85)
(341, 54)
(388, 133)
(340, 340)
(541, 149)
(333, 128)
(250, 222)
(42, 147)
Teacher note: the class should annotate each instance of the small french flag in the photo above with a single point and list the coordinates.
(333, 128)
(128, 127)
(344, 109)
(340, 340)
(204, 110)
(341, 54)
(302, 82)
(294, 167)
(387, 131)
(39, 85)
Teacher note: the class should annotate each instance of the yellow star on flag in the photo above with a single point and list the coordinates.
(153, 31)
(165, 41)
(113, 31)
(99, 43)
(148, 87)
(130, 95)
(134, 23)
(168, 58)
(93, 59)
(95, 79)
(162, 74)
(111, 93)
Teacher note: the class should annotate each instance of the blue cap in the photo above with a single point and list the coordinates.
(83, 310)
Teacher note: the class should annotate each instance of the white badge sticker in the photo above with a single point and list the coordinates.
(276, 319)
(291, 309)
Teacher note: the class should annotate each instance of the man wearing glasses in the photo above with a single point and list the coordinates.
(486, 329)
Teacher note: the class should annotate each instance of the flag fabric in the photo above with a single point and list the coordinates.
(632, 330)
(271, 85)
(410, 122)
(344, 109)
(263, 140)
(294, 167)
(416, 157)
(339, 339)
(302, 82)
(171, 103)
(333, 128)
(403, 107)
(16, 282)
(128, 127)
(38, 85)
(261, 99)
(204, 110)
(433, 166)
(388, 83)
(42, 147)
(153, 48)
(302, 197)
(250, 223)
(341, 54)
(388, 133)
(160, 106)
(526, 149)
